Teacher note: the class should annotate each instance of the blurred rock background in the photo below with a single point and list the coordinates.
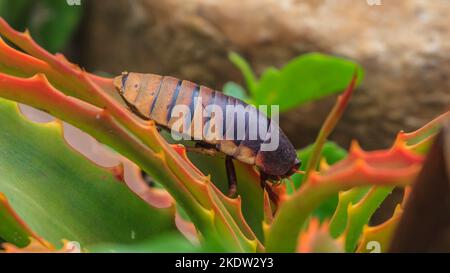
(404, 45)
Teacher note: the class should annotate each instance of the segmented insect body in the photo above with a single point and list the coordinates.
(154, 97)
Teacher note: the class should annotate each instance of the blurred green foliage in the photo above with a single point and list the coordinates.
(306, 78)
(51, 22)
(235, 90)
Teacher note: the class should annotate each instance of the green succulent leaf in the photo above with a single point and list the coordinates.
(332, 153)
(355, 208)
(10, 228)
(361, 213)
(60, 194)
(339, 221)
(248, 187)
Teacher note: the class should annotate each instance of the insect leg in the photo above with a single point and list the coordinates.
(203, 148)
(263, 182)
(231, 175)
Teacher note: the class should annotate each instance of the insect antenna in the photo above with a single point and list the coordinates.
(299, 172)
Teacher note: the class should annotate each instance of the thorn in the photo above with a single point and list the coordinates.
(360, 164)
(26, 33)
(323, 166)
(355, 148)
